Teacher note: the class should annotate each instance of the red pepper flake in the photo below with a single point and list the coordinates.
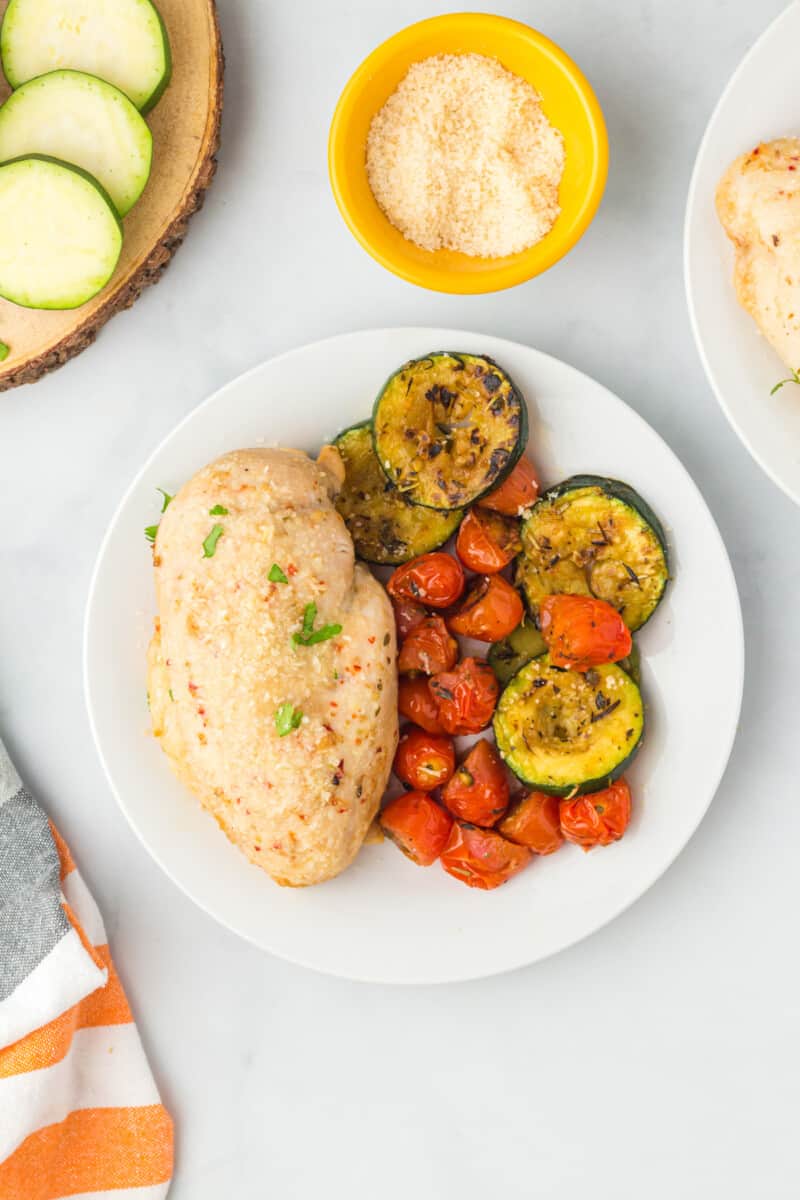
(329, 728)
(257, 849)
(277, 846)
(201, 712)
(792, 168)
(356, 667)
(341, 810)
(371, 641)
(291, 569)
(238, 799)
(192, 687)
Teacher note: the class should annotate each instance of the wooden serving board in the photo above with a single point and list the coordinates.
(186, 126)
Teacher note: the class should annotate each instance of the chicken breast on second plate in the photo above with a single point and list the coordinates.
(281, 724)
(758, 202)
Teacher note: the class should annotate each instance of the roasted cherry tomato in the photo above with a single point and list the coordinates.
(583, 632)
(424, 760)
(466, 696)
(418, 825)
(407, 615)
(598, 819)
(491, 610)
(533, 820)
(518, 492)
(481, 858)
(487, 541)
(415, 703)
(428, 648)
(433, 579)
(478, 790)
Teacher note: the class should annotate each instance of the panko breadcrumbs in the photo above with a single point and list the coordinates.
(462, 157)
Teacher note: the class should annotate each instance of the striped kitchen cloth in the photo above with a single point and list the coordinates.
(80, 1114)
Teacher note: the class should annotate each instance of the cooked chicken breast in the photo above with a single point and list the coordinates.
(758, 201)
(287, 741)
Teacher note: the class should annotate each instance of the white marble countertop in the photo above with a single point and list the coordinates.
(658, 1058)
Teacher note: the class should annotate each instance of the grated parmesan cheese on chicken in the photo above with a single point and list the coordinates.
(462, 157)
(272, 679)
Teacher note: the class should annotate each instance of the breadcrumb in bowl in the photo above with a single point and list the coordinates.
(567, 101)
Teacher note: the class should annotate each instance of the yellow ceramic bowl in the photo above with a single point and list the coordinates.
(568, 101)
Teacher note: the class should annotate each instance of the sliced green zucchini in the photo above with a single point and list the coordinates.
(569, 732)
(81, 120)
(60, 236)
(632, 665)
(384, 525)
(122, 41)
(526, 642)
(591, 536)
(448, 428)
(508, 656)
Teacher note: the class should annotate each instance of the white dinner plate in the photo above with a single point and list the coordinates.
(385, 919)
(761, 102)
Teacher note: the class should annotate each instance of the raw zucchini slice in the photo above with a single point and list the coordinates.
(449, 428)
(122, 41)
(81, 120)
(60, 237)
(384, 525)
(508, 656)
(568, 732)
(591, 536)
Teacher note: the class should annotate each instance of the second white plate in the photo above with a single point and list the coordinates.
(385, 919)
(761, 102)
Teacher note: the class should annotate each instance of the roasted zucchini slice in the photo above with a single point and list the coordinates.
(632, 665)
(448, 428)
(508, 656)
(591, 536)
(384, 525)
(569, 732)
(512, 654)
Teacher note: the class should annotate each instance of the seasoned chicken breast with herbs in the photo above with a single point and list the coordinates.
(758, 202)
(272, 676)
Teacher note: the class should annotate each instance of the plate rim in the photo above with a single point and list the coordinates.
(691, 200)
(737, 661)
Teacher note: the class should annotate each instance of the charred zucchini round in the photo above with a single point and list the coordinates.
(383, 523)
(569, 732)
(591, 536)
(513, 652)
(526, 642)
(449, 428)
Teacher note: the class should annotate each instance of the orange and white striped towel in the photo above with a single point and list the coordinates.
(80, 1114)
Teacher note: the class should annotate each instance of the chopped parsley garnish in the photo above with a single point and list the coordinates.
(151, 530)
(5, 350)
(287, 718)
(218, 511)
(276, 575)
(172, 698)
(793, 378)
(210, 544)
(309, 617)
(308, 635)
